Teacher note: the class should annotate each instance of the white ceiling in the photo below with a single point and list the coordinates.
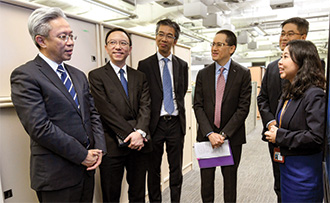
(197, 17)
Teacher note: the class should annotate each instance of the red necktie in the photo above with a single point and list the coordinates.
(218, 97)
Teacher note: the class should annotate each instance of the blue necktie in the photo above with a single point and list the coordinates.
(68, 84)
(167, 89)
(123, 81)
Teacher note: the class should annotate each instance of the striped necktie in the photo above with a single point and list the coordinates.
(68, 84)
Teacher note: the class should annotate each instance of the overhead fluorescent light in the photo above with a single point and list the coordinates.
(259, 30)
(111, 8)
(195, 38)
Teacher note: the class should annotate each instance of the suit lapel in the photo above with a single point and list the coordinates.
(131, 86)
(176, 72)
(53, 77)
(156, 71)
(211, 83)
(290, 111)
(230, 79)
(279, 106)
(115, 80)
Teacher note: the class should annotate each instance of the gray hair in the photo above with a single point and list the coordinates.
(38, 22)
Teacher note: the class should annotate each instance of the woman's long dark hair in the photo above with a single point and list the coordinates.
(310, 70)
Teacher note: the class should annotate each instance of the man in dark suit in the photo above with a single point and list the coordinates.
(271, 89)
(167, 76)
(234, 108)
(66, 133)
(122, 97)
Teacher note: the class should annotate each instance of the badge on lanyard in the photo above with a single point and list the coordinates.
(277, 155)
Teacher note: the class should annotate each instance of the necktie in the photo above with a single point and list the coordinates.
(68, 84)
(123, 81)
(167, 88)
(218, 97)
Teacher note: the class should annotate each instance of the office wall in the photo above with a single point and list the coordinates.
(17, 48)
(143, 47)
(15, 42)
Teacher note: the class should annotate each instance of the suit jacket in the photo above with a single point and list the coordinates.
(150, 67)
(235, 103)
(57, 128)
(120, 115)
(269, 95)
(303, 124)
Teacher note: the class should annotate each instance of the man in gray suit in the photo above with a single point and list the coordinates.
(54, 105)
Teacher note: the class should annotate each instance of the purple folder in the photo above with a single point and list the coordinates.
(217, 161)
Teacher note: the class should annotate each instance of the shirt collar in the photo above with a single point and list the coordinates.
(226, 66)
(117, 68)
(51, 63)
(160, 57)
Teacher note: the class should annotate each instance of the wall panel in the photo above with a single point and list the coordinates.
(16, 44)
(143, 47)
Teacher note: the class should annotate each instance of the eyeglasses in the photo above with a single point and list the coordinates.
(65, 38)
(289, 34)
(114, 43)
(218, 44)
(162, 35)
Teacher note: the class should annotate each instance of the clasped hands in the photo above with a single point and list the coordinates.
(216, 140)
(271, 133)
(136, 140)
(93, 159)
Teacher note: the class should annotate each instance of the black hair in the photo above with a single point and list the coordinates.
(231, 38)
(170, 23)
(310, 69)
(120, 30)
(301, 23)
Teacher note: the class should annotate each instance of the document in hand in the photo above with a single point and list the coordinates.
(208, 157)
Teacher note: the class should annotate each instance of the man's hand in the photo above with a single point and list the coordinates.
(216, 140)
(93, 159)
(136, 140)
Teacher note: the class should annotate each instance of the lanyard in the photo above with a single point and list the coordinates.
(285, 106)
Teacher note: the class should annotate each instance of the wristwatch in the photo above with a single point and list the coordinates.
(144, 135)
(223, 134)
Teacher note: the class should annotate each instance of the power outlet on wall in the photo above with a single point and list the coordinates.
(8, 194)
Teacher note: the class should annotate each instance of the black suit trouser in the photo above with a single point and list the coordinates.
(112, 171)
(170, 133)
(83, 192)
(229, 174)
(276, 172)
